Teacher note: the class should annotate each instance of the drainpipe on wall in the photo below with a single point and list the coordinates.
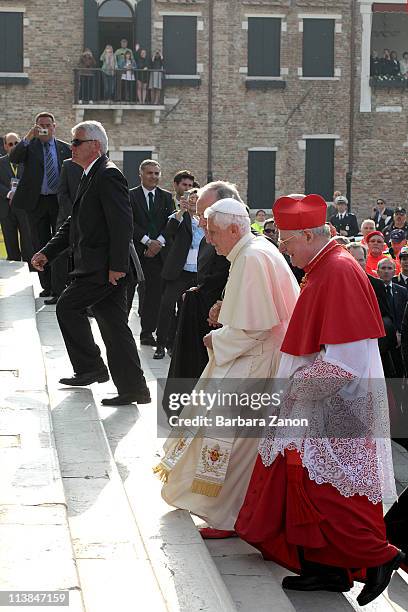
(210, 90)
(349, 174)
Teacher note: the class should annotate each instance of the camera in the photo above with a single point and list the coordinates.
(42, 132)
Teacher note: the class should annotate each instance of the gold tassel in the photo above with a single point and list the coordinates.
(162, 472)
(210, 489)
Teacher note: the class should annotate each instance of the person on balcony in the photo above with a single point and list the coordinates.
(87, 63)
(385, 64)
(109, 65)
(142, 76)
(375, 63)
(395, 65)
(120, 53)
(128, 78)
(404, 64)
(156, 78)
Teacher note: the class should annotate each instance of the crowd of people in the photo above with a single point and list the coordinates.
(295, 297)
(389, 65)
(125, 74)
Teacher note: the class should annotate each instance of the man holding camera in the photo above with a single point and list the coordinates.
(36, 193)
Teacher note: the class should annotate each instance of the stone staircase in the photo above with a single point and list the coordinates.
(80, 508)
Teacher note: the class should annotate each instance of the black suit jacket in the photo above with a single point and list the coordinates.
(348, 223)
(212, 272)
(398, 280)
(68, 185)
(180, 234)
(32, 155)
(382, 219)
(100, 228)
(6, 174)
(162, 209)
(400, 299)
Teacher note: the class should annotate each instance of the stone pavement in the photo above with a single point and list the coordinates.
(124, 548)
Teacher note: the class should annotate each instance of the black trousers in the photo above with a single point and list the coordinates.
(17, 236)
(173, 291)
(109, 306)
(43, 223)
(150, 291)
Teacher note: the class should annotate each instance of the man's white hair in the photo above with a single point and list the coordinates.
(385, 259)
(223, 189)
(224, 220)
(323, 230)
(94, 131)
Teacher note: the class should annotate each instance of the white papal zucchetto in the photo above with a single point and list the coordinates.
(228, 206)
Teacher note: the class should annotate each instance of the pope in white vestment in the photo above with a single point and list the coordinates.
(259, 299)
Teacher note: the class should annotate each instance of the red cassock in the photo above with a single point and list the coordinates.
(285, 510)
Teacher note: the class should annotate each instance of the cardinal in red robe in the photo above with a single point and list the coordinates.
(314, 502)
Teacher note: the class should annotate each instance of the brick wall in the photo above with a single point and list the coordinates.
(53, 40)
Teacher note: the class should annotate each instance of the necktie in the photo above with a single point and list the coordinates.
(150, 196)
(390, 301)
(52, 177)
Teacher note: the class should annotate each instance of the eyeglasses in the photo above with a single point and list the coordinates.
(269, 231)
(77, 143)
(287, 239)
(11, 144)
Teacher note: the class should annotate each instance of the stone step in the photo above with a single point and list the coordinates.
(113, 566)
(36, 550)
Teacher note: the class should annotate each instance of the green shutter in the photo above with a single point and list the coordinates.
(143, 25)
(131, 163)
(264, 41)
(180, 44)
(91, 26)
(261, 179)
(318, 47)
(319, 167)
(11, 42)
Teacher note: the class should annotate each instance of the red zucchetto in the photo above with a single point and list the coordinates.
(375, 233)
(299, 212)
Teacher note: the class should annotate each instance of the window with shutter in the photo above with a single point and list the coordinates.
(11, 42)
(264, 41)
(318, 47)
(180, 44)
(131, 163)
(319, 167)
(261, 179)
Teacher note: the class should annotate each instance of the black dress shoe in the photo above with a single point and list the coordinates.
(52, 300)
(378, 578)
(45, 293)
(159, 353)
(147, 340)
(328, 582)
(124, 399)
(82, 380)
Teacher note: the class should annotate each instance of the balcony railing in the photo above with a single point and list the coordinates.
(124, 87)
(386, 81)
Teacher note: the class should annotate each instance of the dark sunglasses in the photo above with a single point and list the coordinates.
(12, 144)
(77, 143)
(269, 231)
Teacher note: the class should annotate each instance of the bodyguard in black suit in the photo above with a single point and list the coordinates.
(99, 232)
(179, 270)
(14, 222)
(42, 155)
(397, 298)
(345, 223)
(152, 207)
